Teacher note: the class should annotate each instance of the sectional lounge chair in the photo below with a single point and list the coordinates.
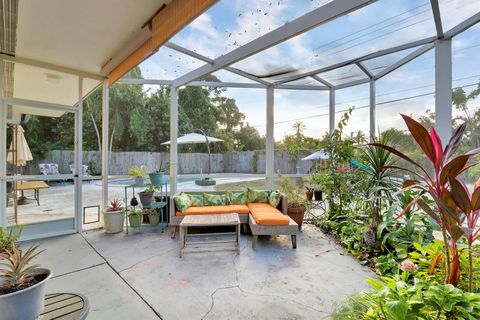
(261, 217)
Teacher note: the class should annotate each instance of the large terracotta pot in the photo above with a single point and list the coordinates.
(297, 214)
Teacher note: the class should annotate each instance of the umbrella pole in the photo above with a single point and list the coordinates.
(14, 158)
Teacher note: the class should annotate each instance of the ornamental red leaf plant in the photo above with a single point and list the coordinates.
(469, 204)
(437, 183)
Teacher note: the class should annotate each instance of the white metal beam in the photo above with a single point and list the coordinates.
(270, 140)
(372, 110)
(173, 140)
(437, 18)
(322, 81)
(221, 84)
(105, 153)
(78, 178)
(225, 84)
(364, 69)
(145, 81)
(325, 13)
(351, 84)
(198, 56)
(459, 28)
(404, 60)
(443, 89)
(331, 111)
(50, 66)
(38, 104)
(299, 87)
(3, 160)
(359, 59)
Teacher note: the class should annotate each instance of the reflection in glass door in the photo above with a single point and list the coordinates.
(40, 167)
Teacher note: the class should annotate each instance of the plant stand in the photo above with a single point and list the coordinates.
(312, 210)
(130, 190)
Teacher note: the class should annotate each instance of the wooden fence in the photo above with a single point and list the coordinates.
(189, 163)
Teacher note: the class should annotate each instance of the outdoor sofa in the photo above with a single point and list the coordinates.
(253, 208)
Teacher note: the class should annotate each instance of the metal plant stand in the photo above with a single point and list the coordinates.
(159, 205)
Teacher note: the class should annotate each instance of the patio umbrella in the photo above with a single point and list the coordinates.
(199, 138)
(19, 152)
(194, 138)
(319, 155)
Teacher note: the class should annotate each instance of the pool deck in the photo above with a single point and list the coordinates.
(57, 201)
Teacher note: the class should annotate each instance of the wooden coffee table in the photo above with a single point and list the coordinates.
(210, 220)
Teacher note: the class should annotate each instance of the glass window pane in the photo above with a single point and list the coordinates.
(227, 25)
(343, 75)
(454, 12)
(381, 25)
(166, 64)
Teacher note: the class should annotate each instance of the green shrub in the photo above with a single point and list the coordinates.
(394, 299)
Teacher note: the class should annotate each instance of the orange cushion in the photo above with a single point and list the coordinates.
(215, 210)
(265, 214)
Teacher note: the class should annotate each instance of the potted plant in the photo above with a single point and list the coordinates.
(316, 180)
(113, 216)
(147, 195)
(154, 216)
(138, 174)
(22, 285)
(135, 218)
(309, 193)
(156, 177)
(296, 205)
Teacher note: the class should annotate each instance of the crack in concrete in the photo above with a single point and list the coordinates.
(147, 259)
(212, 295)
(212, 304)
(122, 278)
(78, 270)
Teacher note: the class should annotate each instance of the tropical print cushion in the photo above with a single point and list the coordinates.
(214, 199)
(274, 198)
(196, 200)
(237, 197)
(182, 202)
(257, 195)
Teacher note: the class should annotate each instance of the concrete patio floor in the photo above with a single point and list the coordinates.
(140, 276)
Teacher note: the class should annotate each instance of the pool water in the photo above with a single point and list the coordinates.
(130, 181)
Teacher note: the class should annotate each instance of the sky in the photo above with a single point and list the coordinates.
(386, 23)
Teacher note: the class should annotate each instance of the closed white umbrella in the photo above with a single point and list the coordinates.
(194, 138)
(19, 152)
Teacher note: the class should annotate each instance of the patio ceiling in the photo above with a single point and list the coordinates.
(46, 46)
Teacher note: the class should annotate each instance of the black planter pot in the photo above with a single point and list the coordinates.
(318, 195)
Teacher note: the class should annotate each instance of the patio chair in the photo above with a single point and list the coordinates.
(84, 169)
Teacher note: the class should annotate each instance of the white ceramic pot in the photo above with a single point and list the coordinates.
(113, 221)
(26, 304)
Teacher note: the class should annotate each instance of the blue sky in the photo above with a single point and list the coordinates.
(232, 23)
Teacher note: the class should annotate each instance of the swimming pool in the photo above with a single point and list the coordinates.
(129, 181)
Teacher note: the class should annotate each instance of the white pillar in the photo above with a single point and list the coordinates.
(270, 140)
(173, 139)
(331, 111)
(78, 178)
(105, 155)
(3, 161)
(372, 110)
(443, 89)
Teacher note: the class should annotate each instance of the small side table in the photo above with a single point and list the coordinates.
(65, 306)
(210, 220)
